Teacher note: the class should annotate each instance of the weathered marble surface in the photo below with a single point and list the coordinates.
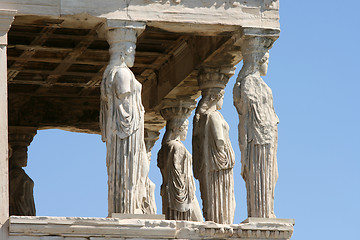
(257, 128)
(122, 124)
(179, 201)
(138, 216)
(62, 228)
(213, 155)
(213, 15)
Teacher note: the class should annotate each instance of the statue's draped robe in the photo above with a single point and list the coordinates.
(258, 145)
(178, 188)
(21, 193)
(122, 127)
(213, 167)
(149, 204)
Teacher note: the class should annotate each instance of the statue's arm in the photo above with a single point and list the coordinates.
(126, 119)
(196, 150)
(165, 156)
(240, 103)
(104, 110)
(237, 97)
(103, 117)
(217, 131)
(272, 105)
(160, 160)
(243, 125)
(122, 81)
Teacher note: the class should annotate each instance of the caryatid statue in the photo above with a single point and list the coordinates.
(179, 201)
(213, 154)
(149, 206)
(21, 185)
(122, 123)
(257, 128)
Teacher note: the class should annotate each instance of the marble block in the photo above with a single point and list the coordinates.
(138, 216)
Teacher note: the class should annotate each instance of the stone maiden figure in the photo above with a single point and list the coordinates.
(21, 186)
(122, 128)
(214, 158)
(175, 162)
(257, 131)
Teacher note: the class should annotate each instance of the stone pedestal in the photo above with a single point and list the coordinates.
(74, 228)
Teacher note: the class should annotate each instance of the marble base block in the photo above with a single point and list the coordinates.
(76, 228)
(269, 220)
(138, 216)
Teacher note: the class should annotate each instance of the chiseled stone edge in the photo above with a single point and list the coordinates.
(6, 18)
(147, 229)
(91, 227)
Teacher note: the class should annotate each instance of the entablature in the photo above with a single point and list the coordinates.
(225, 13)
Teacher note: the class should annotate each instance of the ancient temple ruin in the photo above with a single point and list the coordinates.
(125, 69)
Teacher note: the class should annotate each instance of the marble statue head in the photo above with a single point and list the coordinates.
(254, 63)
(183, 130)
(263, 64)
(178, 128)
(211, 97)
(19, 156)
(129, 53)
(220, 102)
(122, 53)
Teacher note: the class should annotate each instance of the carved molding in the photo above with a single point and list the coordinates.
(214, 78)
(268, 34)
(125, 27)
(177, 108)
(21, 136)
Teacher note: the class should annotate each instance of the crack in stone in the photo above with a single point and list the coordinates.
(127, 9)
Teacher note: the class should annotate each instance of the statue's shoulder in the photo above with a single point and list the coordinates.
(215, 115)
(174, 145)
(122, 73)
(251, 86)
(17, 172)
(250, 81)
(176, 148)
(205, 118)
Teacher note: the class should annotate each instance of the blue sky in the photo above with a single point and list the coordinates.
(313, 73)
